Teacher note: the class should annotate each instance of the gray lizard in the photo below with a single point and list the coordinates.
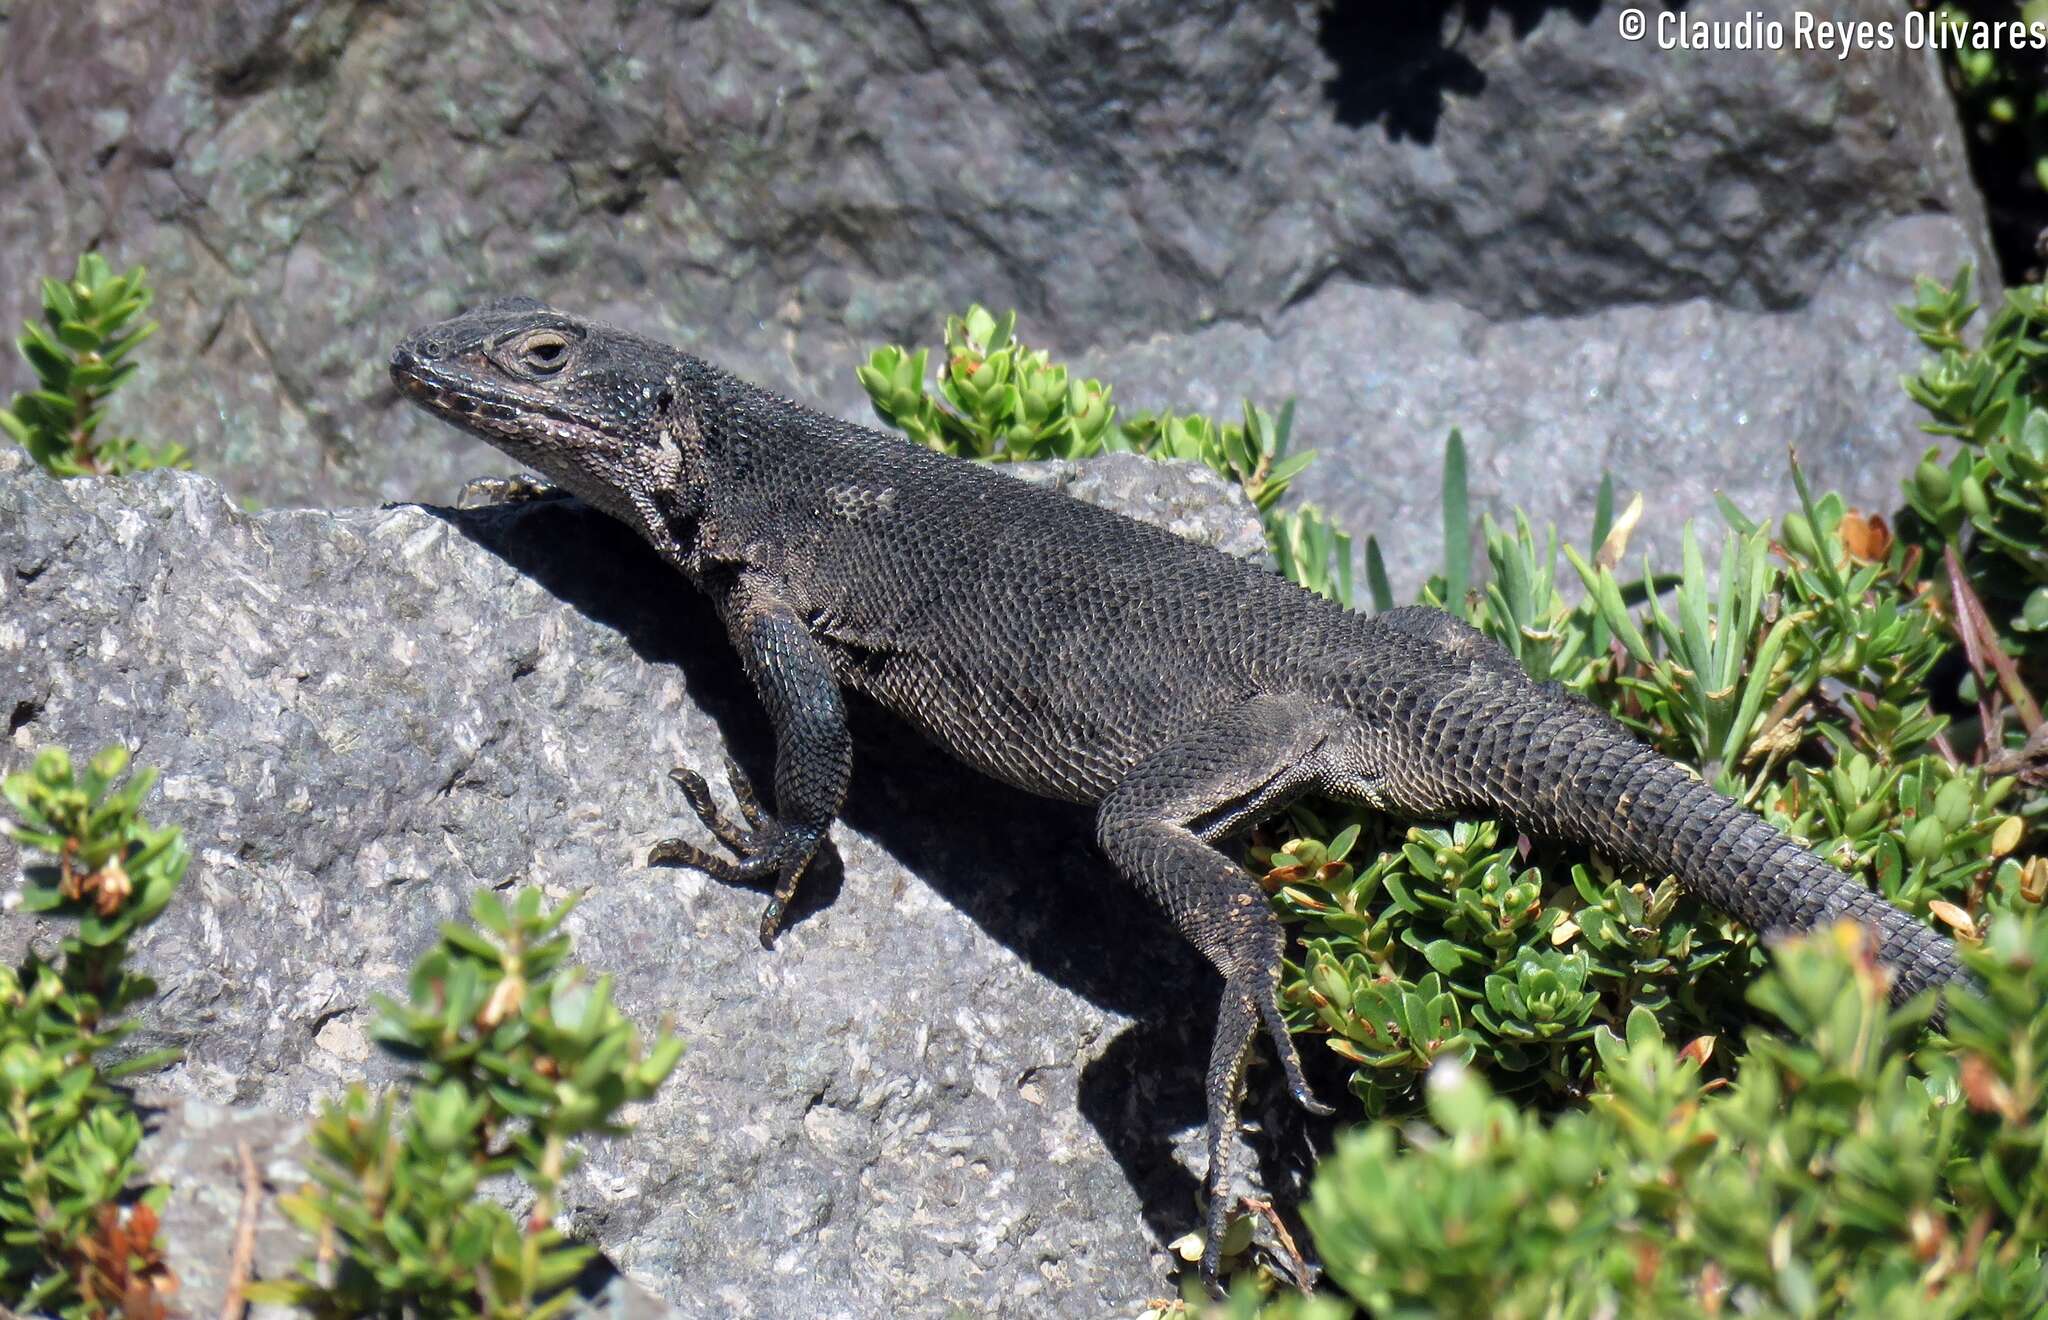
(1186, 695)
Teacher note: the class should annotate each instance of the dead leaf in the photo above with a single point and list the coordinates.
(1954, 916)
(1615, 544)
(1865, 536)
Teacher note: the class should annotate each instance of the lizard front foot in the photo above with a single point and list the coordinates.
(521, 488)
(765, 846)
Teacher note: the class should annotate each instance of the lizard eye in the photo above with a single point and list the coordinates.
(544, 352)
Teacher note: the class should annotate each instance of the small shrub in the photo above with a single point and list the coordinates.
(516, 1056)
(1988, 504)
(81, 354)
(77, 1230)
(1839, 1174)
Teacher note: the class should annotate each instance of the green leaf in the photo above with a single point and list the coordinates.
(1734, 517)
(1457, 524)
(1444, 956)
(1603, 513)
(470, 942)
(1287, 469)
(486, 911)
(1376, 576)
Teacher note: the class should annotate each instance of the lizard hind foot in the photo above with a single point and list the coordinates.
(1237, 1023)
(1250, 1004)
(698, 794)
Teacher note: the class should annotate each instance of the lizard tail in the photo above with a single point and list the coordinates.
(1557, 766)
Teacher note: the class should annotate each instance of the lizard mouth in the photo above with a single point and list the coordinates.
(495, 409)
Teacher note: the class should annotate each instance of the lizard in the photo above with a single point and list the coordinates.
(1184, 694)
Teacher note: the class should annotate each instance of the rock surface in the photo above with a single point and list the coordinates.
(1584, 251)
(968, 1076)
(1186, 499)
(1676, 402)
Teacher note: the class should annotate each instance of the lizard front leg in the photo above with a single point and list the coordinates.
(1159, 827)
(813, 753)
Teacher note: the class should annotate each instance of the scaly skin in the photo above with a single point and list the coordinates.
(1081, 655)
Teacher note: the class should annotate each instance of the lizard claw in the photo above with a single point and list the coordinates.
(743, 793)
(1288, 1055)
(1212, 1249)
(768, 847)
(737, 840)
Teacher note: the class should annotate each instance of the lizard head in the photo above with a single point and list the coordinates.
(591, 407)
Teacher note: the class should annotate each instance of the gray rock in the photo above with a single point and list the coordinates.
(968, 1075)
(1456, 194)
(1186, 499)
(1676, 402)
(194, 1149)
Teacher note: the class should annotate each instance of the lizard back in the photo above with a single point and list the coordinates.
(1047, 642)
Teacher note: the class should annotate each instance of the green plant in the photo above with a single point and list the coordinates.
(1839, 1174)
(1986, 508)
(1001, 401)
(1801, 679)
(515, 1057)
(77, 1236)
(81, 354)
(1795, 678)
(1998, 90)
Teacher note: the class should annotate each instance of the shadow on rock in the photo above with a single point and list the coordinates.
(1398, 66)
(1142, 1090)
(1149, 1085)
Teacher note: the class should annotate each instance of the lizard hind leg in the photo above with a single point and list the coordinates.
(1159, 827)
(1237, 1022)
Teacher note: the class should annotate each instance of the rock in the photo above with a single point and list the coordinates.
(1186, 499)
(969, 1075)
(1677, 402)
(194, 1148)
(1585, 251)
